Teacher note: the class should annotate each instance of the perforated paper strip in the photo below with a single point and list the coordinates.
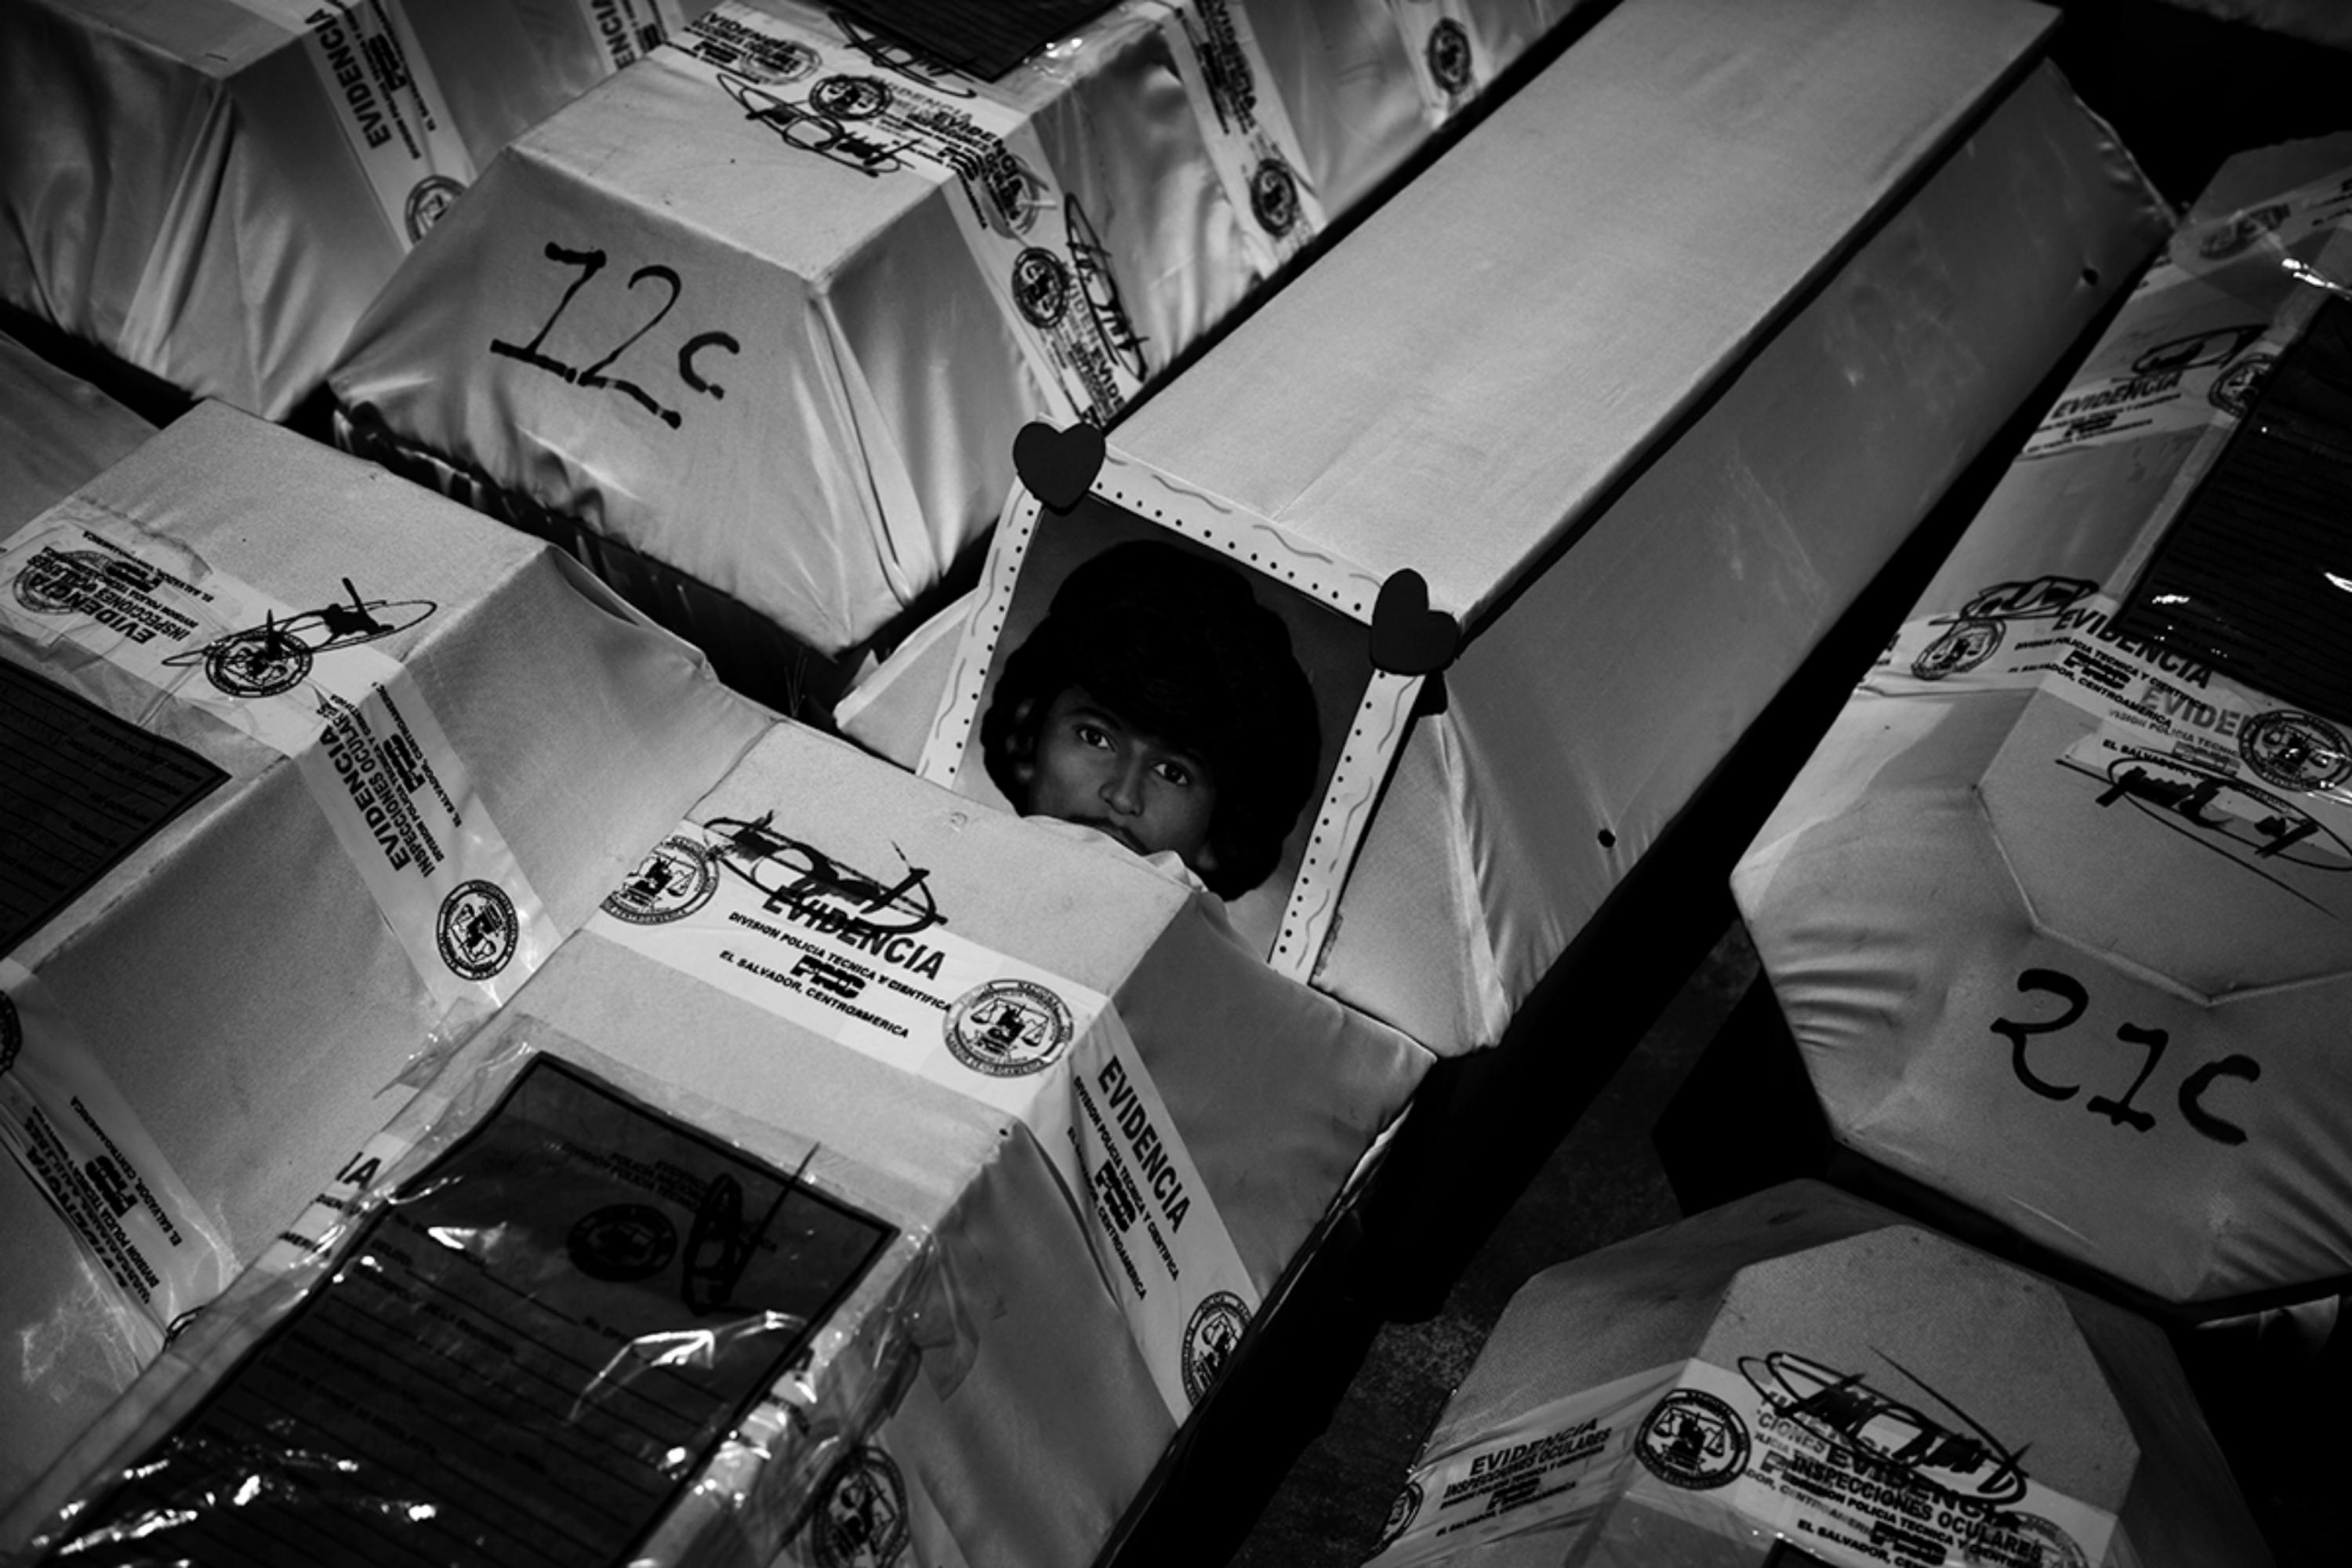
(304, 683)
(867, 963)
(386, 103)
(1360, 753)
(1785, 1447)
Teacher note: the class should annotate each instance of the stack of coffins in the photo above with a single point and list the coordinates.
(213, 190)
(2057, 911)
(307, 769)
(752, 328)
(1108, 1125)
(1802, 1378)
(56, 430)
(1563, 460)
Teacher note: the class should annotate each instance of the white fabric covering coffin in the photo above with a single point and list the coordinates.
(865, 434)
(233, 977)
(177, 189)
(56, 430)
(1939, 858)
(1647, 376)
(2086, 1397)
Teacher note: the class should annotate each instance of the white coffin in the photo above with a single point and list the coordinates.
(821, 416)
(1643, 380)
(231, 996)
(2056, 919)
(1044, 1392)
(1802, 1368)
(213, 194)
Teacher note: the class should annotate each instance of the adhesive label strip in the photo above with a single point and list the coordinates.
(628, 30)
(1247, 129)
(381, 90)
(2172, 733)
(1550, 1468)
(536, 1343)
(78, 1140)
(891, 115)
(869, 963)
(304, 683)
(1784, 1447)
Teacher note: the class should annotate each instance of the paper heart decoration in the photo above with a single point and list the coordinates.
(1408, 636)
(1057, 466)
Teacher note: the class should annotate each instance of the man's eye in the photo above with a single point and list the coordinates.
(1092, 734)
(1176, 774)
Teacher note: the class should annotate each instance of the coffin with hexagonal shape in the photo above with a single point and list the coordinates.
(2058, 911)
(1802, 1377)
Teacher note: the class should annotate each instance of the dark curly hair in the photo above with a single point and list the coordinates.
(1177, 645)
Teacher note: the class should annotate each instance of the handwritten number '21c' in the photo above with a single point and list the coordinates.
(590, 263)
(2152, 1042)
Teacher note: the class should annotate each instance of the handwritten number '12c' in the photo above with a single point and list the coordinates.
(590, 263)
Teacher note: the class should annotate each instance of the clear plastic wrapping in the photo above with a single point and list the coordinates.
(557, 1312)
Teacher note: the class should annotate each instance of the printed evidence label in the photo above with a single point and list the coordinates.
(827, 96)
(304, 683)
(868, 962)
(1785, 1445)
(71, 1132)
(524, 1357)
(385, 101)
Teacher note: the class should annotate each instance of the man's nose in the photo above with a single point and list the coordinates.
(1122, 790)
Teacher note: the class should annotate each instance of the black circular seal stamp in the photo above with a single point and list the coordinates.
(61, 582)
(2233, 390)
(1693, 1441)
(1402, 1513)
(56, 582)
(260, 661)
(1009, 1028)
(1040, 286)
(1273, 196)
(850, 97)
(677, 878)
(2058, 1549)
(1448, 53)
(1215, 1329)
(11, 1032)
(622, 1242)
(2295, 751)
(478, 930)
(428, 200)
(861, 1520)
(1960, 650)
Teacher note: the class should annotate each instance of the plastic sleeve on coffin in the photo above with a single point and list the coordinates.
(705, 1313)
(744, 908)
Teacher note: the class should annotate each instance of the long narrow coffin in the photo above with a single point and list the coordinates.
(307, 769)
(760, 321)
(1560, 464)
(213, 190)
(2057, 912)
(1110, 1125)
(1802, 1378)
